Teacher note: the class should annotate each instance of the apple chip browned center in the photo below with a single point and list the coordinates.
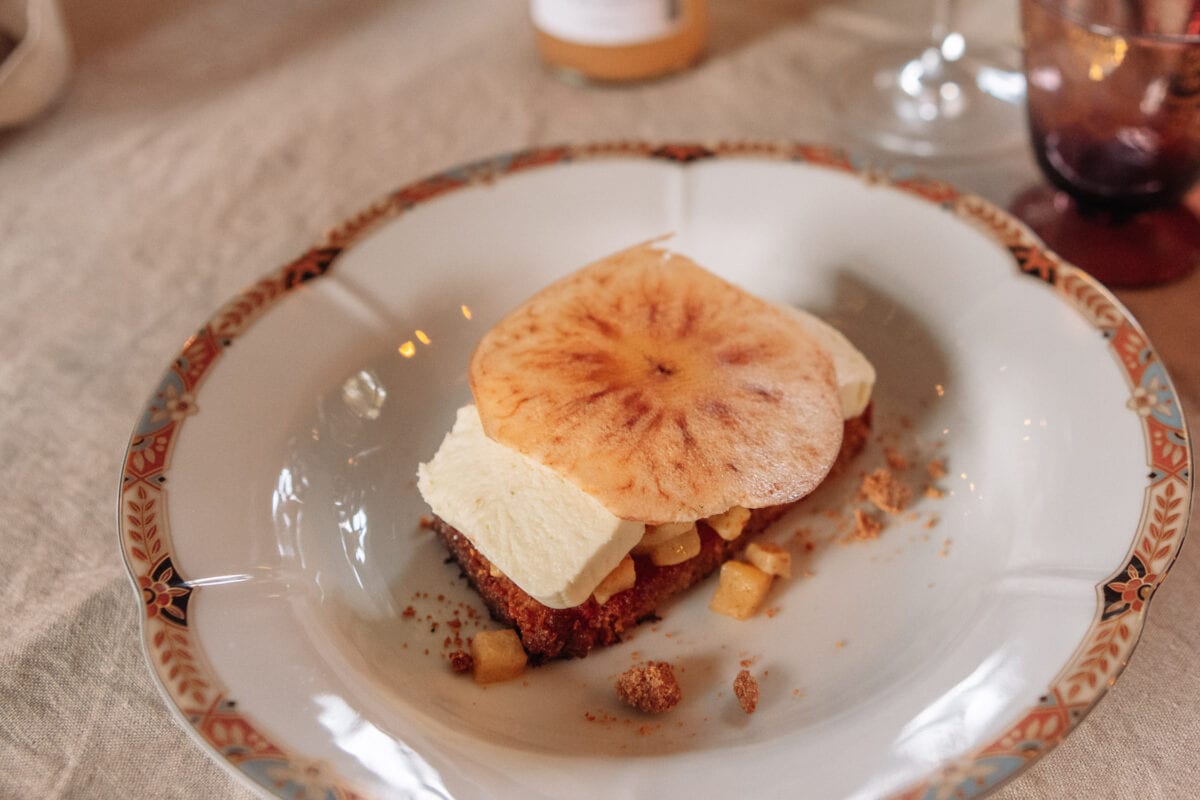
(661, 390)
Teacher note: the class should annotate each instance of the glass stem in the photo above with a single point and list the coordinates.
(944, 24)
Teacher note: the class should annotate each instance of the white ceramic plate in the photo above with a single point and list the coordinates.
(270, 520)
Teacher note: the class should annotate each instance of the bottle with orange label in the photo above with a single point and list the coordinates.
(618, 41)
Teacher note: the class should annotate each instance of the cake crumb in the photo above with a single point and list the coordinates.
(461, 662)
(895, 459)
(650, 687)
(866, 527)
(840, 643)
(746, 689)
(936, 468)
(946, 548)
(934, 493)
(932, 521)
(885, 491)
(409, 612)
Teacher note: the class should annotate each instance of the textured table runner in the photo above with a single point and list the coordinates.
(200, 145)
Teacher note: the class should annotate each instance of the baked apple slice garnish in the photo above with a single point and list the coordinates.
(663, 391)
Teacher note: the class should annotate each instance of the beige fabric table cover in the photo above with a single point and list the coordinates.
(200, 145)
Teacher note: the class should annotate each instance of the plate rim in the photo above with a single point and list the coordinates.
(199, 701)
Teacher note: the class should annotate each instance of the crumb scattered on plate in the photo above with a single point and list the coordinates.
(866, 527)
(746, 690)
(885, 491)
(650, 687)
(895, 459)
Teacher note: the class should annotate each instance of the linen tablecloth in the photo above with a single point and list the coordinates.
(200, 145)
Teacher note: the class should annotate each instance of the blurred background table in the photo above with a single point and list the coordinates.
(200, 145)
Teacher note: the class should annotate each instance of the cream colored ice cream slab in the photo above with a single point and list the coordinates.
(550, 538)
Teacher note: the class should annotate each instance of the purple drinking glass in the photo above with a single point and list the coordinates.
(1113, 90)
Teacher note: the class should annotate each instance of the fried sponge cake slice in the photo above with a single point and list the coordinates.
(550, 633)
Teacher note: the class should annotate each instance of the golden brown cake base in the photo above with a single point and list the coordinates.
(550, 633)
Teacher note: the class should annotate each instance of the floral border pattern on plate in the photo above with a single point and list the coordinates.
(1122, 600)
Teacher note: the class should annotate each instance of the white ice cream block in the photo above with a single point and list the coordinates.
(549, 537)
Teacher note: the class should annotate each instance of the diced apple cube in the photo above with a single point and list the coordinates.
(621, 578)
(677, 550)
(770, 558)
(498, 656)
(659, 534)
(741, 589)
(731, 523)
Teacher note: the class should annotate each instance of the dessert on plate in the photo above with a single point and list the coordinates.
(635, 424)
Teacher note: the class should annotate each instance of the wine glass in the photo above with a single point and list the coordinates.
(1114, 115)
(941, 99)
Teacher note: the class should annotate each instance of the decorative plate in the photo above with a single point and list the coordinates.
(299, 620)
